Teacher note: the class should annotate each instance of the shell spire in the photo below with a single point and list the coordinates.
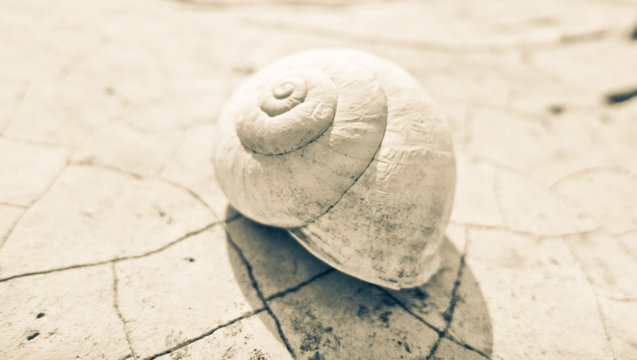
(348, 153)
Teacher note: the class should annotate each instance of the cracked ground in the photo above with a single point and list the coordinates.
(116, 242)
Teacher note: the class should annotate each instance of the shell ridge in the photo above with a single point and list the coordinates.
(364, 169)
(327, 130)
(298, 148)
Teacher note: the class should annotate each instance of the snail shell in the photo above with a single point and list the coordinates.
(347, 152)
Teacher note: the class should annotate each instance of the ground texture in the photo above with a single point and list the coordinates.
(116, 243)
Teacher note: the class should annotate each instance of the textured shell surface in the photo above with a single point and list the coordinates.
(348, 153)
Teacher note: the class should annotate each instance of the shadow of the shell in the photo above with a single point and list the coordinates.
(325, 314)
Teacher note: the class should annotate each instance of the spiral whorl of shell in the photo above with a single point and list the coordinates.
(346, 151)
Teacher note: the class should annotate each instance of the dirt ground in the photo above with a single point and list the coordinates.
(116, 242)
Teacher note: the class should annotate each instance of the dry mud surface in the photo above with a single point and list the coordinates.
(116, 243)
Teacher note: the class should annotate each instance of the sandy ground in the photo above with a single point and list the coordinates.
(116, 243)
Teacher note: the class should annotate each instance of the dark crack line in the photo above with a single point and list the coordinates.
(465, 254)
(123, 258)
(206, 334)
(3, 203)
(413, 314)
(119, 313)
(299, 285)
(255, 285)
(441, 333)
(444, 332)
(467, 346)
(244, 316)
(448, 314)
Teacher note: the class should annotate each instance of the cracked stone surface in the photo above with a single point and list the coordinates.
(117, 243)
(192, 286)
(248, 338)
(63, 315)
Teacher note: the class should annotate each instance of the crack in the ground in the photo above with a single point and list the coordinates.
(595, 296)
(525, 233)
(443, 333)
(621, 244)
(413, 314)
(20, 101)
(141, 177)
(206, 334)
(560, 41)
(591, 171)
(123, 258)
(618, 299)
(35, 142)
(173, 154)
(91, 163)
(255, 285)
(192, 193)
(448, 313)
(550, 190)
(117, 310)
(49, 186)
(4, 203)
(246, 315)
(73, 62)
(7, 234)
(298, 286)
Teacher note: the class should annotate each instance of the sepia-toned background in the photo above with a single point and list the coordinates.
(116, 242)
